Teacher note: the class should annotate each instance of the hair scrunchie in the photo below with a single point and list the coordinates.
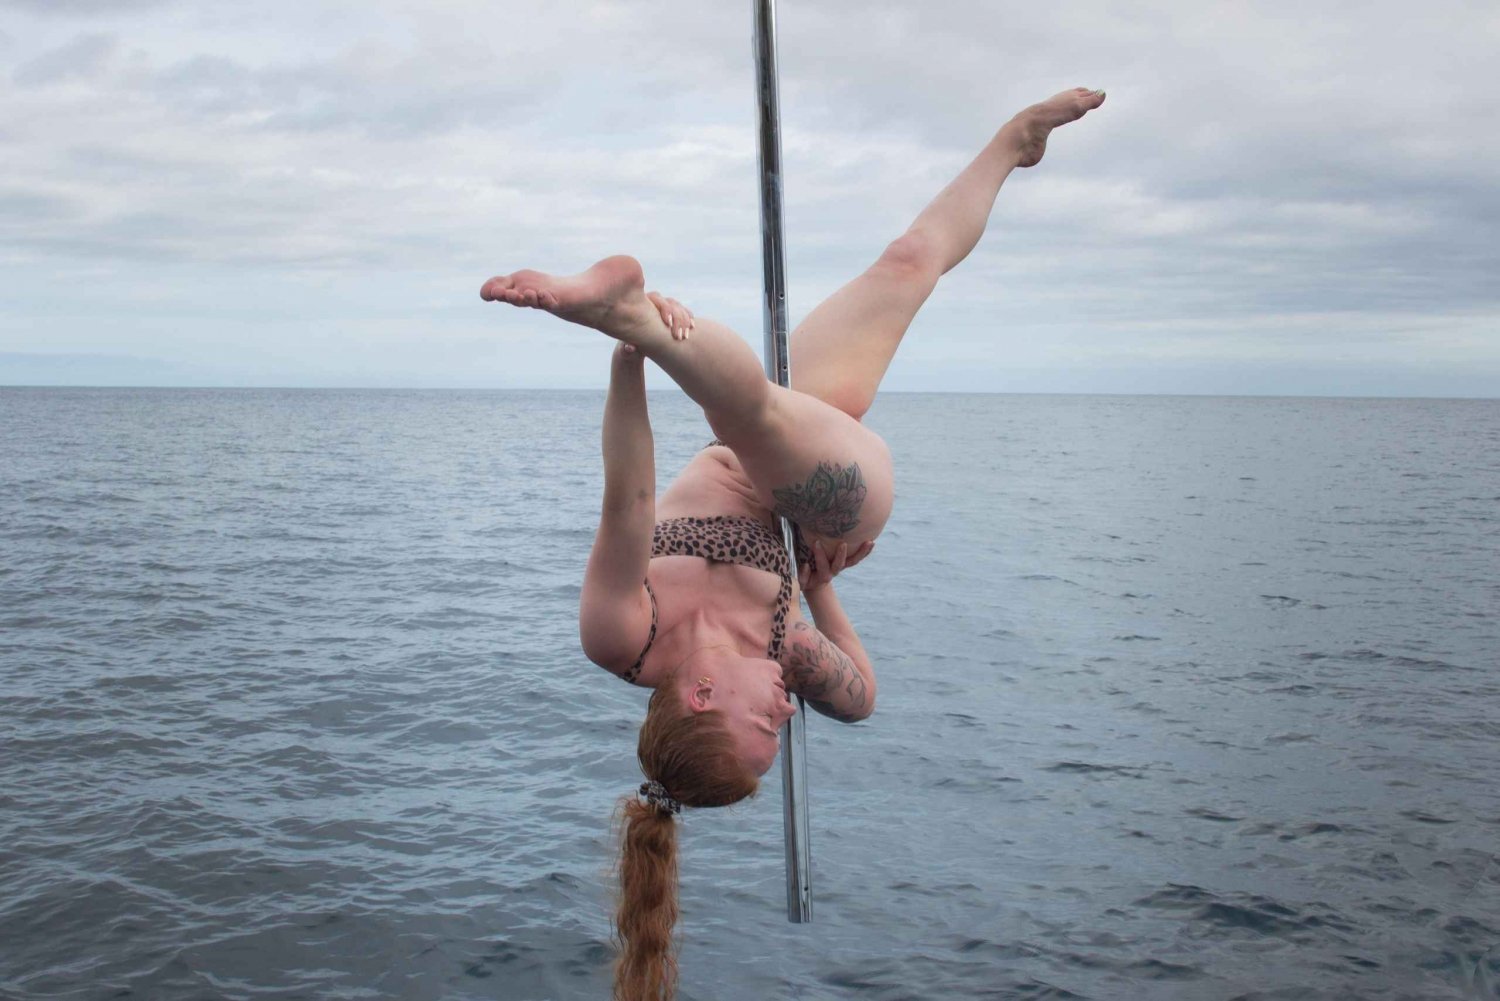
(656, 794)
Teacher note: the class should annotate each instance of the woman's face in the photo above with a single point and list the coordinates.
(750, 694)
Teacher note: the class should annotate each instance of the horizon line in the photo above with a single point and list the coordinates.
(663, 391)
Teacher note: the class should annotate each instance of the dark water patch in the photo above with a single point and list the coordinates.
(999, 951)
(975, 775)
(1242, 914)
(1280, 601)
(1204, 813)
(1096, 770)
(963, 719)
(1315, 829)
(1156, 969)
(1422, 817)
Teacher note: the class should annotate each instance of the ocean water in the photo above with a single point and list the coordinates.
(1180, 698)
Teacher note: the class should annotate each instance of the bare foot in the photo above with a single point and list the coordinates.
(610, 296)
(1032, 126)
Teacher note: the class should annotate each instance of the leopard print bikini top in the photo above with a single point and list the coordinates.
(745, 542)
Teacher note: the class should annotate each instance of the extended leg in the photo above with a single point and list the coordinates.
(841, 351)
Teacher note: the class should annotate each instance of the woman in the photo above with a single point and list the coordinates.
(689, 593)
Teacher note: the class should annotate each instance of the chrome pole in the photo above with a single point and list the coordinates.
(778, 370)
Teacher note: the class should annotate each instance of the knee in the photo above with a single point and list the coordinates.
(914, 254)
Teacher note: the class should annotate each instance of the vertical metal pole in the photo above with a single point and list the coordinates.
(778, 370)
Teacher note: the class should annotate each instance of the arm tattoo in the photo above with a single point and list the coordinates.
(825, 676)
(828, 503)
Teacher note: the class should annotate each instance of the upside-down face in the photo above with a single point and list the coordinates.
(750, 694)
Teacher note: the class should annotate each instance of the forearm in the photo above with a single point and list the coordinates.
(629, 450)
(612, 591)
(828, 615)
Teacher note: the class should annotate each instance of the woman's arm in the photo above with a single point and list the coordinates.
(614, 617)
(826, 664)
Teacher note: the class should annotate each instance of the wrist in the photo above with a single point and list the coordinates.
(823, 590)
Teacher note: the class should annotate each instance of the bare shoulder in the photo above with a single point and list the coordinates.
(815, 668)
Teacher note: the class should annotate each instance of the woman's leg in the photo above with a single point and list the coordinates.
(805, 450)
(715, 367)
(807, 459)
(841, 351)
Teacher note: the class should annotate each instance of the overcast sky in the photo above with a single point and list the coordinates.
(1276, 198)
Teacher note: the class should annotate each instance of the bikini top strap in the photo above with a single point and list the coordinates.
(635, 669)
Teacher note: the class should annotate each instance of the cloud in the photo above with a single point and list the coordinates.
(83, 8)
(1258, 167)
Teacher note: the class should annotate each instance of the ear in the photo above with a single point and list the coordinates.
(701, 697)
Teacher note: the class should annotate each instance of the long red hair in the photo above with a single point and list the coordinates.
(693, 756)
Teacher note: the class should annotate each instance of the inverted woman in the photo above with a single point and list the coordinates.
(688, 593)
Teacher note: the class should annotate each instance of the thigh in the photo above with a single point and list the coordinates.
(816, 465)
(841, 351)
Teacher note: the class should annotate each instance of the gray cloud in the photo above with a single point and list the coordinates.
(83, 57)
(1267, 185)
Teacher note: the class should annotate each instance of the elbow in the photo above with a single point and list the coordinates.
(863, 706)
(859, 715)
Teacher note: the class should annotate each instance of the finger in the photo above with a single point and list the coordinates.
(529, 297)
(841, 558)
(822, 556)
(663, 307)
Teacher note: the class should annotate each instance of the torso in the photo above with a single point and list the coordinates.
(739, 600)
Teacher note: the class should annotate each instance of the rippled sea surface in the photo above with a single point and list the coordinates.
(1181, 698)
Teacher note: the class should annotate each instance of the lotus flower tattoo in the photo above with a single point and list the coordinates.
(828, 503)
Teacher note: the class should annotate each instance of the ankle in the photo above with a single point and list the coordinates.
(634, 320)
(1012, 138)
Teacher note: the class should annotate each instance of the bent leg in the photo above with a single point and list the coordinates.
(841, 351)
(806, 459)
(716, 368)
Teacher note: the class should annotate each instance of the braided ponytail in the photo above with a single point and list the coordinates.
(691, 759)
